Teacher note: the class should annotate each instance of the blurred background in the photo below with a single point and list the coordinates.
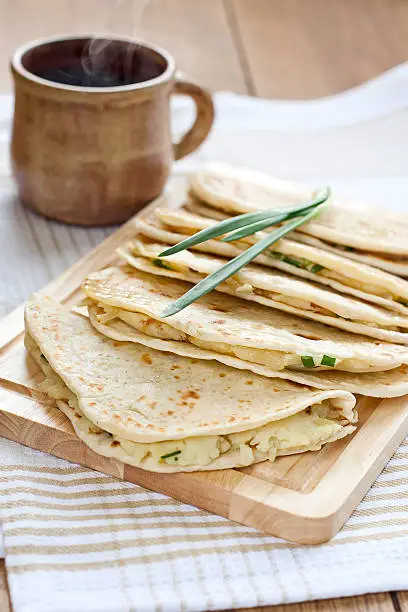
(292, 49)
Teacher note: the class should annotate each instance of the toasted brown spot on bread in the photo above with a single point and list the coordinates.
(190, 393)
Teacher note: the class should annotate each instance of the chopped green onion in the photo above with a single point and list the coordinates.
(276, 255)
(292, 261)
(299, 263)
(159, 263)
(328, 361)
(308, 361)
(173, 454)
(348, 248)
(281, 257)
(402, 301)
(316, 268)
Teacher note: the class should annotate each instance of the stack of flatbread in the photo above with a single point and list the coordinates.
(265, 365)
(362, 233)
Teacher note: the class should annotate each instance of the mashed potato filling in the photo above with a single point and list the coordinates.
(241, 289)
(276, 360)
(306, 430)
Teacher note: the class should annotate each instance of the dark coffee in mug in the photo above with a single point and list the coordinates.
(76, 75)
(99, 62)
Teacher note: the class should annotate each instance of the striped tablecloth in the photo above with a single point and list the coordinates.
(79, 540)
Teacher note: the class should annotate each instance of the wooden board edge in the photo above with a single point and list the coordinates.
(321, 513)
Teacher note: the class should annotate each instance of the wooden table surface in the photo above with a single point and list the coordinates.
(271, 48)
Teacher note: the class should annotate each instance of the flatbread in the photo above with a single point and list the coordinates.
(392, 383)
(316, 265)
(238, 190)
(271, 288)
(230, 326)
(138, 405)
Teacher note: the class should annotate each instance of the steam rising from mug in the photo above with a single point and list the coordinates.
(98, 61)
(127, 16)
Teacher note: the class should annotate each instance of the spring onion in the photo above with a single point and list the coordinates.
(159, 263)
(173, 454)
(308, 361)
(328, 361)
(234, 265)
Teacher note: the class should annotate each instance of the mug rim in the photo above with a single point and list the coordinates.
(17, 65)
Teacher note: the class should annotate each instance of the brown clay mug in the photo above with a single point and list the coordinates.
(91, 137)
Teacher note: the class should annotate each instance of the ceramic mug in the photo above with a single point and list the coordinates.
(91, 139)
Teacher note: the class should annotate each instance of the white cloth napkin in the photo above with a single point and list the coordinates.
(79, 540)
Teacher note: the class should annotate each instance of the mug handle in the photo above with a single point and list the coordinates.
(203, 121)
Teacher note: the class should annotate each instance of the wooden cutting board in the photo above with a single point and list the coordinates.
(304, 498)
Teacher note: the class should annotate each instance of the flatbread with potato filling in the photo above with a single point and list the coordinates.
(271, 288)
(167, 413)
(290, 256)
(255, 337)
